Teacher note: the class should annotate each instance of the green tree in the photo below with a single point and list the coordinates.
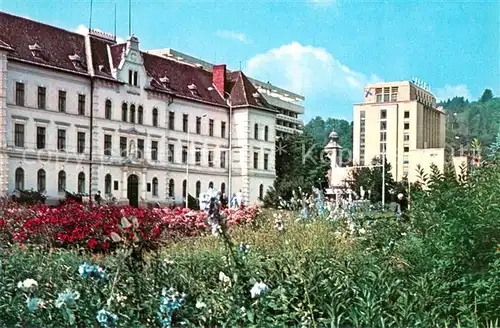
(487, 95)
(370, 178)
(320, 129)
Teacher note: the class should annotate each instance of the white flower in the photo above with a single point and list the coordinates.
(200, 305)
(224, 278)
(362, 231)
(27, 284)
(259, 289)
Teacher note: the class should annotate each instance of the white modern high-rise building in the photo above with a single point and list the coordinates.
(85, 114)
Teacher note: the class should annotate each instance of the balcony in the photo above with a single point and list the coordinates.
(287, 129)
(283, 104)
(290, 119)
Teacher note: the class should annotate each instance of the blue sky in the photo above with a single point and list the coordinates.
(325, 50)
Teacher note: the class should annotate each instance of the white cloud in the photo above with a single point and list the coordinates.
(450, 91)
(233, 35)
(84, 30)
(310, 71)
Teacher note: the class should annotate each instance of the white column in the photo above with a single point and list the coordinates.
(124, 182)
(143, 183)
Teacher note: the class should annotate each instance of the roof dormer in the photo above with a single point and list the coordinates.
(36, 50)
(77, 61)
(165, 81)
(194, 90)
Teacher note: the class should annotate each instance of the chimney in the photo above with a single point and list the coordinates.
(219, 78)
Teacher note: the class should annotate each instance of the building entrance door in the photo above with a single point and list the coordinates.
(133, 190)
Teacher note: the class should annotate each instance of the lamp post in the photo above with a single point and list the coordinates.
(187, 163)
(230, 167)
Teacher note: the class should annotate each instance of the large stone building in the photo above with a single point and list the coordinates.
(400, 119)
(83, 113)
(287, 104)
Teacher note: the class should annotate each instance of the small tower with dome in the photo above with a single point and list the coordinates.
(334, 150)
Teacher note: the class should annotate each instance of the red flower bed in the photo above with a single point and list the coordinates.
(76, 224)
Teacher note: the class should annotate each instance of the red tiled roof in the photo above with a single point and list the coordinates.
(56, 44)
(100, 58)
(116, 53)
(181, 76)
(243, 92)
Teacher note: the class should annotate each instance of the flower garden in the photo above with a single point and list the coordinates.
(106, 266)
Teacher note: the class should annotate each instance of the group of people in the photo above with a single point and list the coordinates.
(235, 201)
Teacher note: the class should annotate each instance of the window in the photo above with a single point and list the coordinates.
(406, 137)
(405, 160)
(41, 97)
(62, 101)
(211, 158)
(255, 160)
(198, 125)
(394, 93)
(140, 115)
(184, 188)
(19, 94)
(81, 183)
(383, 147)
(171, 120)
(107, 144)
(383, 125)
(132, 113)
(378, 93)
(155, 117)
(40, 137)
(383, 114)
(130, 76)
(155, 187)
(362, 115)
(211, 127)
(171, 186)
(198, 189)
(185, 122)
(81, 104)
(107, 184)
(223, 159)
(407, 114)
(19, 179)
(261, 192)
(61, 139)
(154, 150)
(124, 112)
(171, 150)
(140, 148)
(266, 161)
(184, 154)
(115, 185)
(223, 129)
(136, 78)
(40, 180)
(266, 133)
(107, 109)
(406, 149)
(386, 94)
(61, 181)
(407, 126)
(19, 135)
(198, 156)
(223, 188)
(210, 185)
(80, 145)
(123, 146)
(383, 136)
(256, 131)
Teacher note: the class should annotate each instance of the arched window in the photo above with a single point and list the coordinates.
(261, 192)
(140, 115)
(19, 179)
(124, 112)
(81, 183)
(107, 184)
(266, 133)
(184, 188)
(132, 113)
(198, 189)
(40, 180)
(223, 188)
(210, 185)
(107, 109)
(155, 117)
(155, 186)
(61, 181)
(171, 186)
(256, 131)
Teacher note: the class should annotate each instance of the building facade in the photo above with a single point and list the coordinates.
(287, 104)
(85, 114)
(402, 121)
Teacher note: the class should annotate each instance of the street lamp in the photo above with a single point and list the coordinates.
(230, 168)
(187, 163)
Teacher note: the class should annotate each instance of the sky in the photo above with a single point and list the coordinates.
(325, 50)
